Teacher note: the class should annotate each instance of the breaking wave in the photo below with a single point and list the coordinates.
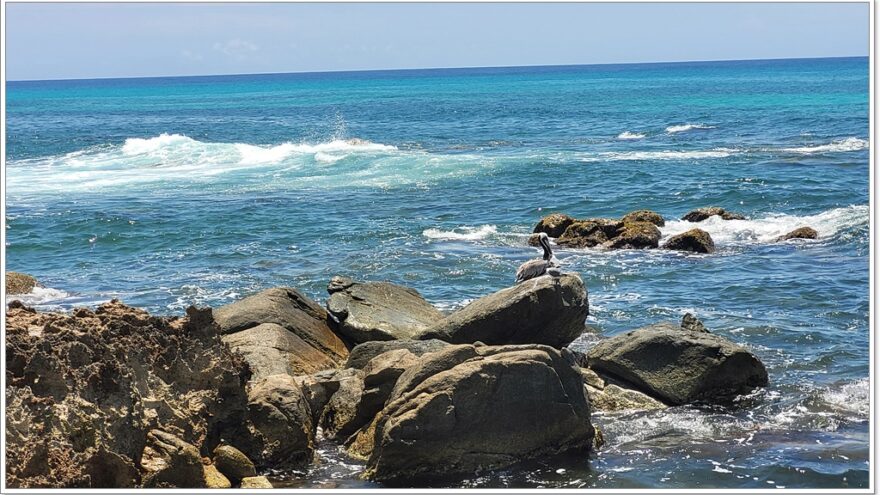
(626, 135)
(674, 129)
(462, 233)
(848, 144)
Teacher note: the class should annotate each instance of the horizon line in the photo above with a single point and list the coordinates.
(472, 67)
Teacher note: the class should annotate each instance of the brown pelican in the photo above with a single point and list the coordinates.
(548, 264)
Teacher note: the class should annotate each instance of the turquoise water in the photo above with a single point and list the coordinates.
(167, 192)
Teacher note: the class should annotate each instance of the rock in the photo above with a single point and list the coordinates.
(590, 233)
(256, 482)
(19, 283)
(679, 366)
(340, 416)
(380, 311)
(233, 463)
(614, 398)
(701, 214)
(545, 310)
(271, 349)
(554, 224)
(171, 463)
(282, 422)
(694, 240)
(798, 233)
(318, 388)
(363, 353)
(84, 389)
(635, 235)
(469, 408)
(215, 479)
(690, 322)
(592, 379)
(644, 216)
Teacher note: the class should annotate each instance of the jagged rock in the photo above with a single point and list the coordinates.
(379, 311)
(590, 233)
(690, 322)
(467, 408)
(281, 419)
(271, 349)
(635, 235)
(19, 283)
(544, 310)
(799, 233)
(215, 479)
(256, 482)
(318, 388)
(679, 366)
(613, 398)
(171, 463)
(363, 353)
(701, 214)
(340, 417)
(694, 240)
(644, 216)
(554, 224)
(233, 463)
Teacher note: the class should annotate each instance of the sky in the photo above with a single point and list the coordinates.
(75, 41)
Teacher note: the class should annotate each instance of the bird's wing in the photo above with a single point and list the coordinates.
(530, 269)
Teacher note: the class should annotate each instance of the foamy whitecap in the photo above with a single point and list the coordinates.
(462, 233)
(658, 155)
(136, 146)
(39, 296)
(842, 145)
(626, 135)
(327, 157)
(673, 129)
(769, 228)
(853, 397)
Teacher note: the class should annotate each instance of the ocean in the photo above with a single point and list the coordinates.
(167, 192)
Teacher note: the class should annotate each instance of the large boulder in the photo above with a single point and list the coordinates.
(694, 240)
(19, 283)
(678, 365)
(635, 235)
(553, 224)
(799, 233)
(590, 233)
(340, 416)
(468, 408)
(378, 310)
(363, 353)
(546, 310)
(232, 463)
(281, 330)
(701, 214)
(318, 388)
(644, 216)
(281, 422)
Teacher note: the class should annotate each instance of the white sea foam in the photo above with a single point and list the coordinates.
(842, 145)
(462, 233)
(658, 155)
(673, 129)
(626, 135)
(767, 229)
(39, 296)
(853, 397)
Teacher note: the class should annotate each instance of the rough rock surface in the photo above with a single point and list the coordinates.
(701, 214)
(468, 408)
(318, 388)
(19, 283)
(256, 482)
(690, 322)
(800, 233)
(215, 479)
(635, 235)
(363, 353)
(590, 233)
(545, 310)
(554, 224)
(84, 389)
(281, 420)
(310, 345)
(679, 366)
(613, 398)
(233, 463)
(694, 240)
(169, 462)
(340, 416)
(378, 310)
(644, 216)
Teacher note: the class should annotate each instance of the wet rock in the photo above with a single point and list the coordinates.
(281, 419)
(171, 463)
(233, 463)
(467, 408)
(19, 283)
(694, 240)
(545, 310)
(256, 482)
(590, 233)
(554, 224)
(380, 311)
(363, 353)
(679, 366)
(311, 344)
(215, 479)
(613, 398)
(644, 216)
(691, 323)
(800, 233)
(635, 235)
(701, 214)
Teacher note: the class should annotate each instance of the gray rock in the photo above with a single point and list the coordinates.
(281, 422)
(363, 353)
(379, 311)
(340, 416)
(690, 322)
(319, 387)
(468, 408)
(679, 366)
(701, 214)
(271, 349)
(694, 240)
(546, 310)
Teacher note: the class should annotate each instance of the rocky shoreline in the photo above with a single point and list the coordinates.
(115, 397)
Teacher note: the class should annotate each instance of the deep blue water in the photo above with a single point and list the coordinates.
(171, 191)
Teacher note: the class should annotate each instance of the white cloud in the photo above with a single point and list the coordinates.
(236, 48)
(191, 55)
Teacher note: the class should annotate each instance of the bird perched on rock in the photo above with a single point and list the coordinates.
(547, 265)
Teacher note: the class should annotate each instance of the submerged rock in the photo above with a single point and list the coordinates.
(546, 310)
(469, 408)
(553, 225)
(694, 240)
(799, 233)
(678, 365)
(701, 214)
(379, 310)
(19, 283)
(644, 216)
